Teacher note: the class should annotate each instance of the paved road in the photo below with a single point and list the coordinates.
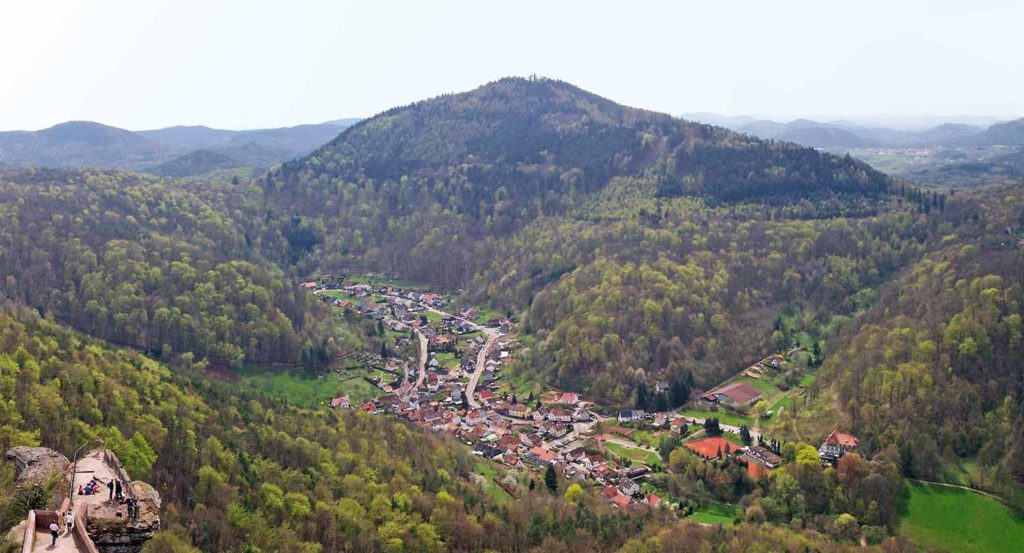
(407, 385)
(481, 363)
(405, 389)
(421, 368)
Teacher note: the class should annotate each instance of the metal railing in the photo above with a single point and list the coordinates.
(74, 466)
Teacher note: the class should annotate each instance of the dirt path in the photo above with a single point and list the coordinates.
(959, 487)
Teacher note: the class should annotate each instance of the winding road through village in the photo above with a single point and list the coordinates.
(481, 363)
(421, 360)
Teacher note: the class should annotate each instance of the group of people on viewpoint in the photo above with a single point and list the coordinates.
(116, 489)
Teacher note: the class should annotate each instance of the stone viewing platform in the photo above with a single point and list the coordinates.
(102, 524)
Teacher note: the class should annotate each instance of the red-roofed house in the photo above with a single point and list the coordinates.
(519, 410)
(511, 460)
(442, 342)
(568, 398)
(540, 456)
(836, 445)
(560, 415)
(622, 501)
(341, 401)
(653, 500)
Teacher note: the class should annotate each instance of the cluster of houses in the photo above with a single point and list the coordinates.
(448, 381)
(760, 460)
(534, 434)
(523, 436)
(626, 494)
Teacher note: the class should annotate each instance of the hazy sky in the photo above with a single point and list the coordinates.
(243, 64)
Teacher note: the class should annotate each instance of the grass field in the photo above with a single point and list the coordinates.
(485, 314)
(734, 438)
(495, 491)
(634, 454)
(765, 388)
(723, 417)
(648, 437)
(377, 281)
(340, 295)
(959, 521)
(519, 385)
(965, 473)
(715, 513)
(784, 401)
(311, 392)
(447, 360)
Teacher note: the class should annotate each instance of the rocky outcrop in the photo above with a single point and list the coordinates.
(111, 530)
(34, 466)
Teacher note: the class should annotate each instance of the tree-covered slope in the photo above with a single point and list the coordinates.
(933, 365)
(436, 178)
(635, 243)
(76, 144)
(238, 472)
(676, 289)
(155, 265)
(537, 130)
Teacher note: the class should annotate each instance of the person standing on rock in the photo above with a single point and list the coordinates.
(117, 490)
(69, 521)
(110, 488)
(54, 532)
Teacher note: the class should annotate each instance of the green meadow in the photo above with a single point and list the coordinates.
(957, 520)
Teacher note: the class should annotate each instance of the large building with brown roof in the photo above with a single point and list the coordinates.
(737, 394)
(836, 445)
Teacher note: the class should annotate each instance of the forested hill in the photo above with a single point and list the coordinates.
(536, 139)
(158, 265)
(629, 239)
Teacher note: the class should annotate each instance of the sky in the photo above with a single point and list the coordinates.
(143, 64)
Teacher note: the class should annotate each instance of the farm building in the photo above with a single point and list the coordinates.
(737, 394)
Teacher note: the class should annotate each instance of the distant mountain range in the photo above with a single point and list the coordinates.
(174, 151)
(846, 135)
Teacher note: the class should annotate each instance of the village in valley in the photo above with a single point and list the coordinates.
(453, 381)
